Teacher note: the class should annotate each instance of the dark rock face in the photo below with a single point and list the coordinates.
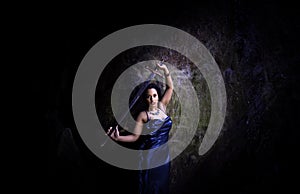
(256, 48)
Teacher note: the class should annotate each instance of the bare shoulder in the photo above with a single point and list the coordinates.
(142, 117)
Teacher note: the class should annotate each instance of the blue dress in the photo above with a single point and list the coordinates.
(155, 180)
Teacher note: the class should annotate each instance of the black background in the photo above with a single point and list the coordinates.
(75, 31)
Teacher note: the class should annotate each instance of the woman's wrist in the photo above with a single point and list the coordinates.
(167, 73)
(116, 138)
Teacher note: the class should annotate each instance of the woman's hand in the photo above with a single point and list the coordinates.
(113, 134)
(154, 71)
(163, 67)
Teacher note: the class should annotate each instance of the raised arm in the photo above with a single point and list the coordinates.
(169, 85)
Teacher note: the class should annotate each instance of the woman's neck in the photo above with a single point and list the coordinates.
(152, 108)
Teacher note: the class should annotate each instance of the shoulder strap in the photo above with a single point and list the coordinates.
(147, 116)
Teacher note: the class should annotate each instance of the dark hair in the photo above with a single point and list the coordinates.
(150, 86)
(142, 104)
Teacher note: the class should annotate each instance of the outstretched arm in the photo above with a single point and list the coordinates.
(132, 137)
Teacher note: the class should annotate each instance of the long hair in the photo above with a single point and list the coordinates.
(141, 104)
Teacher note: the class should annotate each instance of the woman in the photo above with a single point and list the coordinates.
(152, 130)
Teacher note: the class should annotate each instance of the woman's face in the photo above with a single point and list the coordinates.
(152, 97)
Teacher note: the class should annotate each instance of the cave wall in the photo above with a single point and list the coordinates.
(256, 48)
